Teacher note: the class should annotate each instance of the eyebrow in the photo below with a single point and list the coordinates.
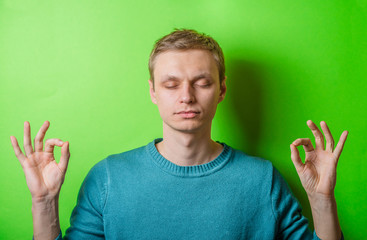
(195, 78)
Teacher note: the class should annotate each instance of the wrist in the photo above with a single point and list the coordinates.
(45, 202)
(325, 216)
(320, 201)
(45, 212)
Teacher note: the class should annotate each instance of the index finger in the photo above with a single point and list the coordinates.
(38, 141)
(305, 142)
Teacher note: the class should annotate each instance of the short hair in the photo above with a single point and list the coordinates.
(186, 39)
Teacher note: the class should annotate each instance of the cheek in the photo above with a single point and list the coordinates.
(165, 103)
(167, 99)
(210, 99)
(210, 103)
(165, 95)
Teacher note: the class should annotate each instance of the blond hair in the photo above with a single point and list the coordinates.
(186, 39)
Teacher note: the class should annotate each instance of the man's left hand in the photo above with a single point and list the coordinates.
(318, 172)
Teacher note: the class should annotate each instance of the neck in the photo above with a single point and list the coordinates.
(188, 149)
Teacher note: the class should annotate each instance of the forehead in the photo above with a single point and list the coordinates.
(185, 63)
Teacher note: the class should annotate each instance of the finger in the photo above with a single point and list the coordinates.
(65, 155)
(27, 139)
(296, 159)
(319, 138)
(51, 143)
(339, 147)
(305, 142)
(329, 138)
(17, 150)
(38, 141)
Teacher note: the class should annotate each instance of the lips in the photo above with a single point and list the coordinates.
(188, 114)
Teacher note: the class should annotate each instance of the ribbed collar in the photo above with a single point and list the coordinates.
(188, 171)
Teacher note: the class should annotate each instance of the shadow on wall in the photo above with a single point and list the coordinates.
(247, 84)
(246, 100)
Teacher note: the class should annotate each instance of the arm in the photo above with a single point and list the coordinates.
(87, 218)
(318, 178)
(44, 178)
(287, 211)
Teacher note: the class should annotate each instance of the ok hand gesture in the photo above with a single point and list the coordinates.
(43, 174)
(318, 172)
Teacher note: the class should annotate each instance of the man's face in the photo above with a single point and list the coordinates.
(186, 89)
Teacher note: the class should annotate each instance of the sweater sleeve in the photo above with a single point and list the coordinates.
(288, 212)
(86, 221)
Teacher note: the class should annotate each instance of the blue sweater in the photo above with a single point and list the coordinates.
(141, 195)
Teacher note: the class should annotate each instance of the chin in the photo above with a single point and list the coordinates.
(186, 127)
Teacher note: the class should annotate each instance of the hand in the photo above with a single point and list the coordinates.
(318, 173)
(43, 174)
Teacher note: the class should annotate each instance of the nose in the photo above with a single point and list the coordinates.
(187, 94)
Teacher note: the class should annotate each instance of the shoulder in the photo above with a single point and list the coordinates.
(126, 157)
(256, 165)
(250, 171)
(262, 170)
(120, 163)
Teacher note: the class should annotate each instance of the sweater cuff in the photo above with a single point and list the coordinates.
(59, 237)
(315, 237)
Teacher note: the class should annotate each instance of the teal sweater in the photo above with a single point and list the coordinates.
(141, 195)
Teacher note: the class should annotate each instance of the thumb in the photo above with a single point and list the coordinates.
(65, 155)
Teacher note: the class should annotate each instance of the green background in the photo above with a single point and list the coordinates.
(82, 65)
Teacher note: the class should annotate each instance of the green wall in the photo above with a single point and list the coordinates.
(82, 65)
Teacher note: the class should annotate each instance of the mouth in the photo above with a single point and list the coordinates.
(188, 114)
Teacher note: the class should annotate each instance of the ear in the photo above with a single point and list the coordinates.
(152, 92)
(223, 90)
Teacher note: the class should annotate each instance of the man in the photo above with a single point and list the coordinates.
(185, 186)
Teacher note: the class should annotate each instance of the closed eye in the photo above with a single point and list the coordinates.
(203, 83)
(170, 87)
(170, 84)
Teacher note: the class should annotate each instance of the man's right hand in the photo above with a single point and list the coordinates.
(43, 174)
(44, 178)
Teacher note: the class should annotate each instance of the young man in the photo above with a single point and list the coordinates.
(185, 186)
